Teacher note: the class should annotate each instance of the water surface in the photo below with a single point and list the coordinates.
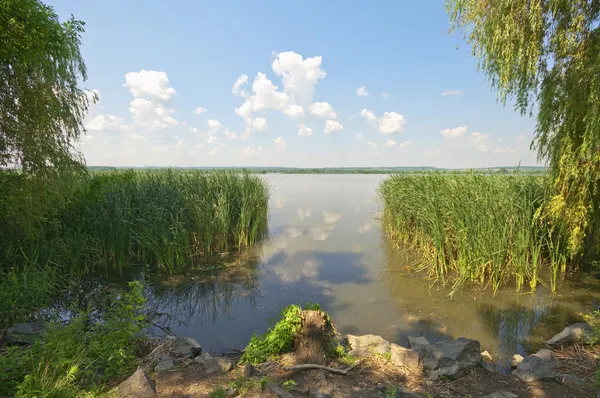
(326, 246)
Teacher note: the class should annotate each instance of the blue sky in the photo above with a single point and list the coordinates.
(154, 63)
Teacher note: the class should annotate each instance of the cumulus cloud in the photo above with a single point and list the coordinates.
(211, 139)
(372, 144)
(237, 86)
(330, 217)
(385, 95)
(149, 84)
(390, 144)
(481, 141)
(389, 123)
(299, 75)
(454, 132)
(249, 151)
(304, 131)
(216, 149)
(331, 126)
(362, 91)
(322, 110)
(279, 143)
(229, 134)
(200, 110)
(294, 111)
(448, 93)
(151, 115)
(433, 152)
(405, 144)
(258, 124)
(214, 126)
(105, 122)
(304, 213)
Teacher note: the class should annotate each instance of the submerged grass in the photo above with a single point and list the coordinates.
(475, 228)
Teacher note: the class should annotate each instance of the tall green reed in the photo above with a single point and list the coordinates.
(475, 228)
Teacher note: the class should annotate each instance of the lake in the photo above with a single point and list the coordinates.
(326, 246)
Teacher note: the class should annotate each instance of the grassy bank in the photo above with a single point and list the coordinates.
(475, 228)
(166, 220)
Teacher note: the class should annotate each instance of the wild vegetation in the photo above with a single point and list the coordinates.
(474, 228)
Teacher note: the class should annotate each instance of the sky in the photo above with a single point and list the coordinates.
(296, 84)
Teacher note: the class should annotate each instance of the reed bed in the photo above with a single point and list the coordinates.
(166, 219)
(475, 228)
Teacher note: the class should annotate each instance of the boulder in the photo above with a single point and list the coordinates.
(578, 332)
(165, 363)
(451, 358)
(405, 357)
(187, 347)
(419, 344)
(359, 352)
(511, 362)
(280, 391)
(501, 394)
(214, 365)
(401, 392)
(224, 363)
(541, 365)
(250, 370)
(138, 385)
(26, 333)
(376, 343)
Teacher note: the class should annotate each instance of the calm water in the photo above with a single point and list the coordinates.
(326, 246)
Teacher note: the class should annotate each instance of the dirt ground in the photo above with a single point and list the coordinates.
(377, 377)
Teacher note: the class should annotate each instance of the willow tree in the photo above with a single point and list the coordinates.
(545, 56)
(41, 103)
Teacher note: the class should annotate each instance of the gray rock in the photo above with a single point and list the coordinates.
(359, 352)
(26, 333)
(405, 357)
(250, 370)
(280, 391)
(165, 363)
(214, 365)
(138, 385)
(322, 378)
(224, 363)
(578, 332)
(572, 380)
(300, 390)
(501, 394)
(186, 346)
(377, 343)
(402, 392)
(419, 344)
(510, 362)
(541, 365)
(451, 358)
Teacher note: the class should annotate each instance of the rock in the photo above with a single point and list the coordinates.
(578, 332)
(26, 333)
(501, 394)
(405, 357)
(541, 365)
(299, 390)
(419, 344)
(452, 358)
(377, 343)
(280, 391)
(402, 392)
(322, 378)
(214, 365)
(510, 362)
(359, 352)
(186, 346)
(572, 380)
(165, 363)
(138, 385)
(204, 358)
(486, 356)
(224, 363)
(250, 370)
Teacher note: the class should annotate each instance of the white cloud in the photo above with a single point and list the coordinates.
(369, 115)
(454, 132)
(105, 122)
(386, 95)
(194, 130)
(359, 136)
(237, 86)
(294, 111)
(150, 115)
(149, 84)
(366, 227)
(431, 153)
(299, 76)
(279, 143)
(481, 141)
(390, 144)
(200, 110)
(330, 217)
(405, 144)
(214, 125)
(447, 93)
(362, 91)
(304, 131)
(258, 124)
(332, 126)
(322, 110)
(391, 122)
(249, 151)
(229, 134)
(372, 144)
(216, 149)
(211, 139)
(304, 213)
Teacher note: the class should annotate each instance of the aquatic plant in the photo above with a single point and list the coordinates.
(475, 228)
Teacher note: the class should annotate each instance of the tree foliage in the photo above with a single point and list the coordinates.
(41, 104)
(545, 55)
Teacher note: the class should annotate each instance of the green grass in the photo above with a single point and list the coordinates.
(475, 228)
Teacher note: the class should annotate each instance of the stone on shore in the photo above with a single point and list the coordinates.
(451, 358)
(419, 344)
(405, 357)
(165, 363)
(541, 365)
(138, 385)
(214, 365)
(578, 332)
(186, 346)
(26, 333)
(376, 343)
(280, 391)
(511, 362)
